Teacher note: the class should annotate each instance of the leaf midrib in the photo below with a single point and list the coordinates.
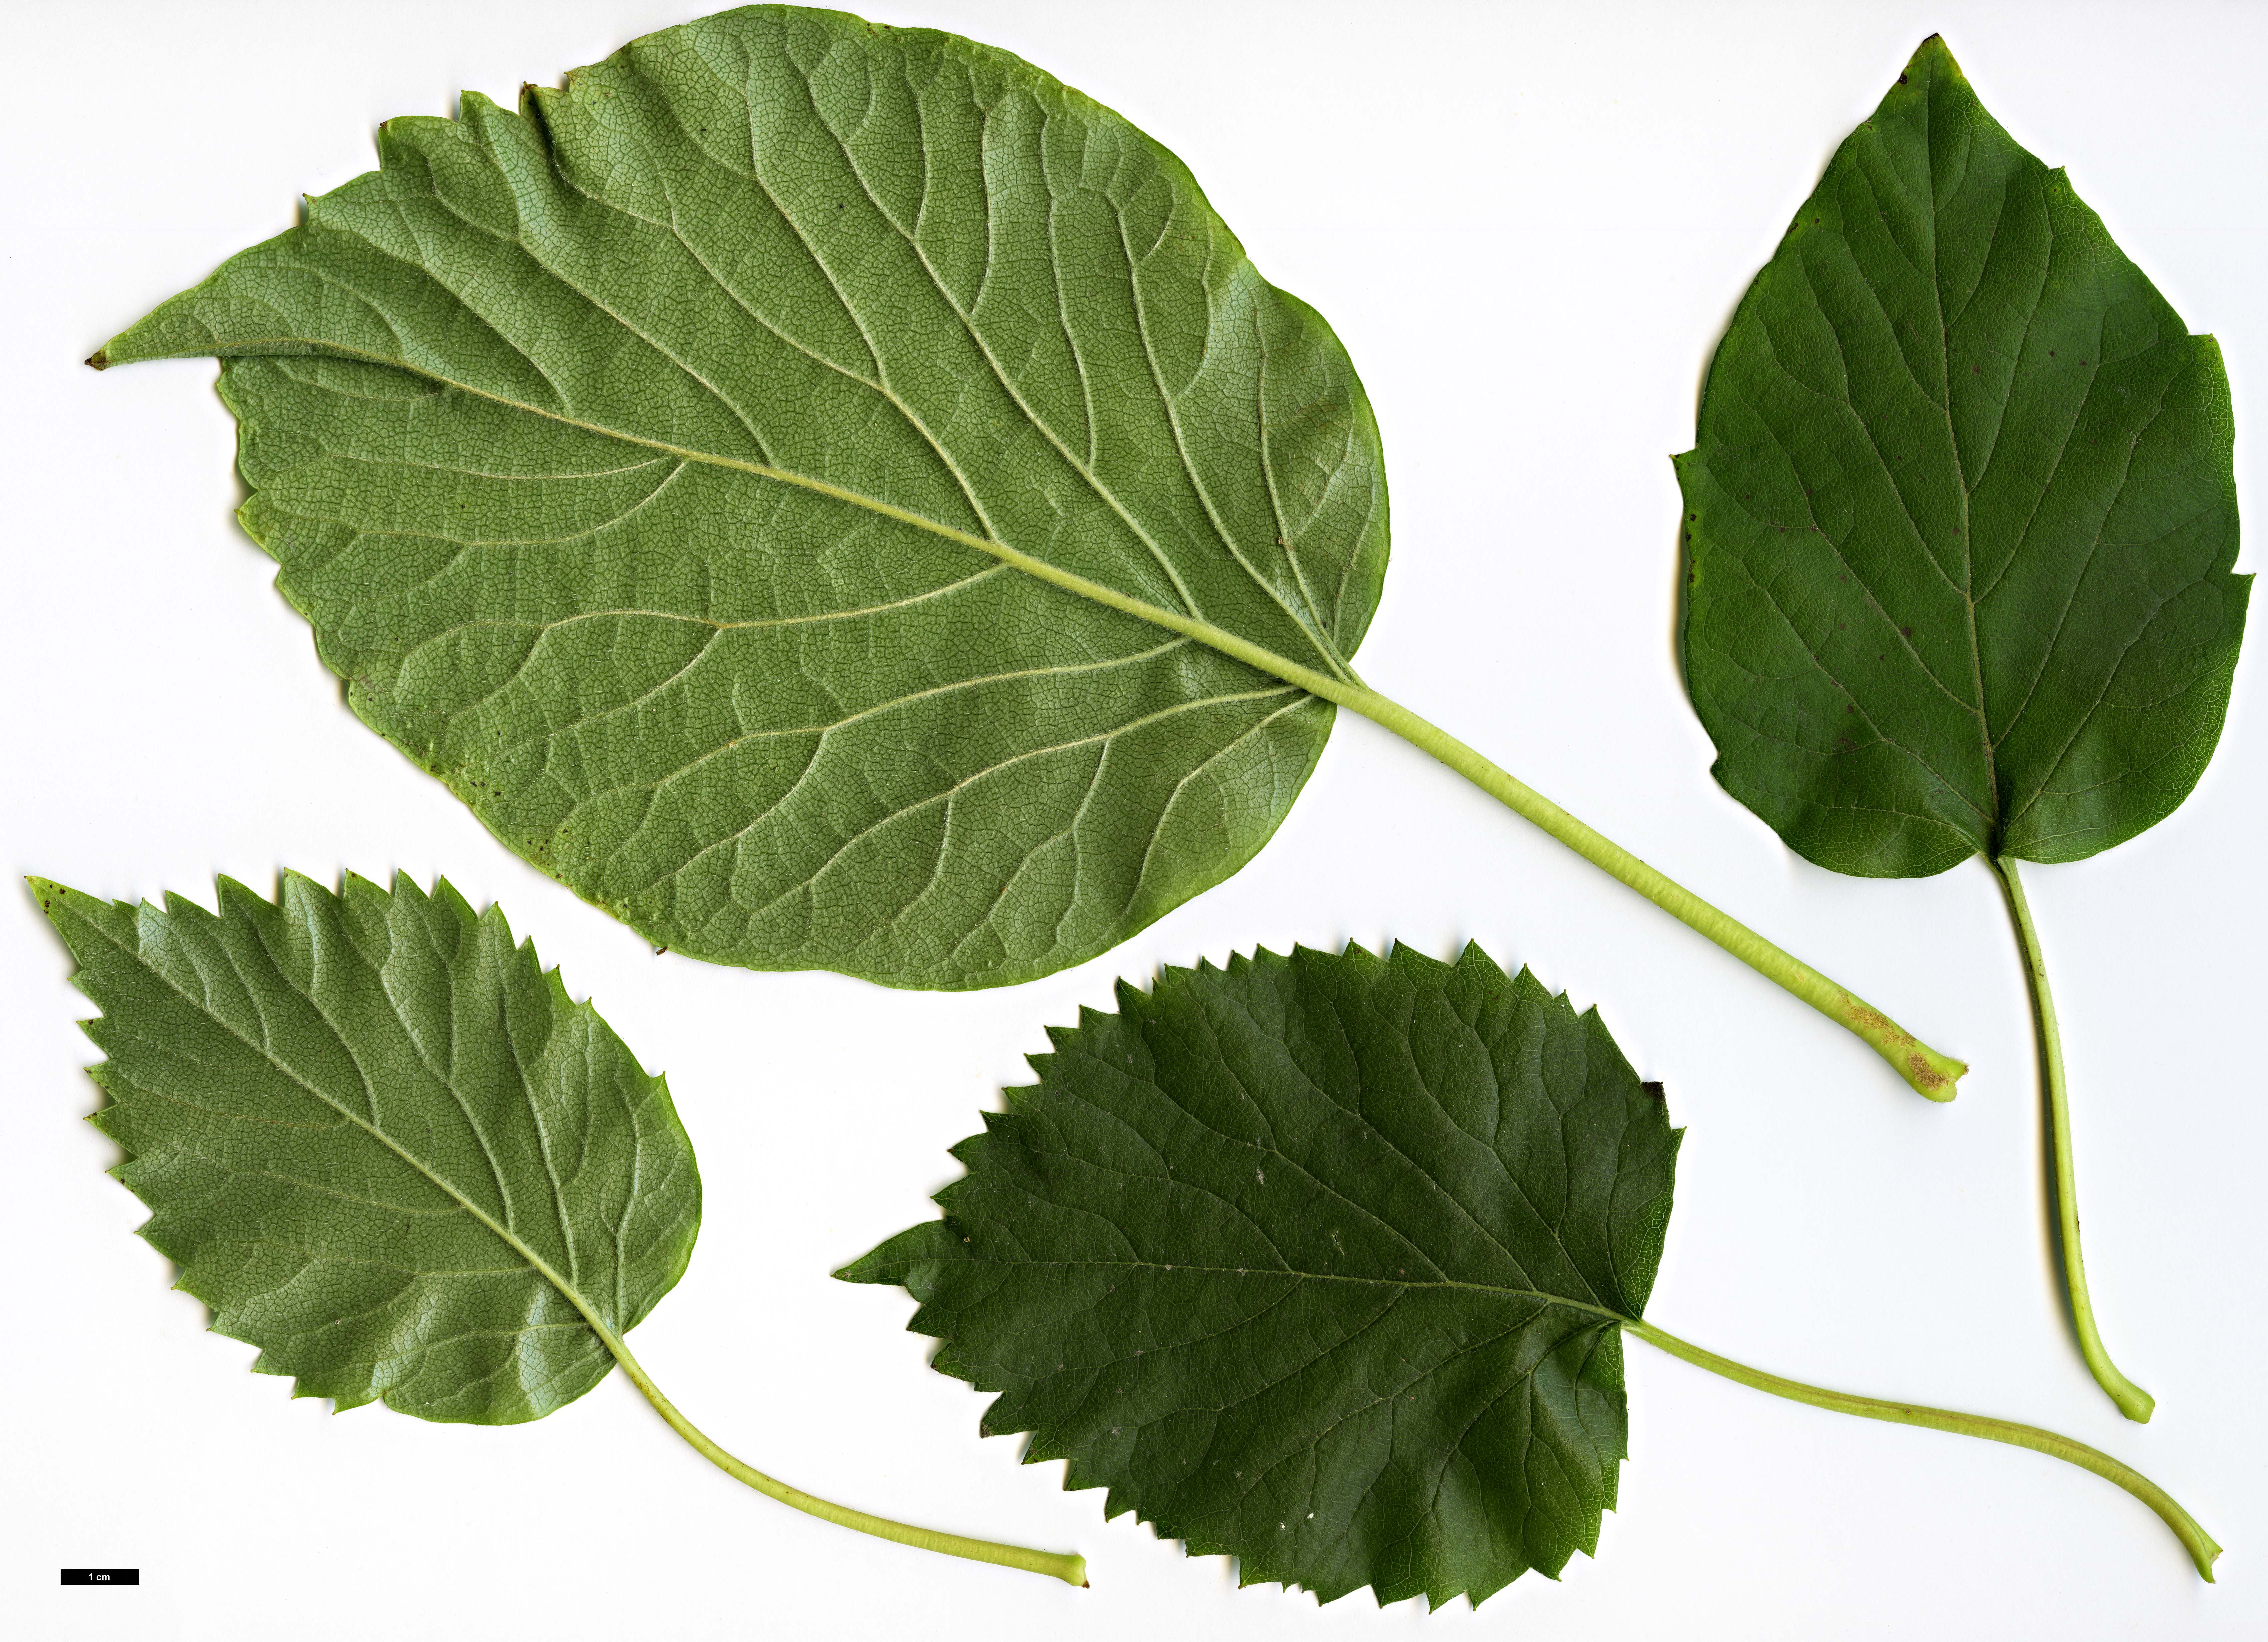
(1327, 1277)
(1994, 820)
(1219, 638)
(1308, 626)
(2002, 815)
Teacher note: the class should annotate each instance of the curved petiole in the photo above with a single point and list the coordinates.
(2194, 1540)
(1070, 1567)
(2134, 1402)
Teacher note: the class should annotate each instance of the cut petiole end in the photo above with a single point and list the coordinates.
(1933, 1076)
(2205, 1553)
(2134, 1402)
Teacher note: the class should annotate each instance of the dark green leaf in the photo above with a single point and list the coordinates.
(1961, 513)
(791, 483)
(1318, 1261)
(381, 1144)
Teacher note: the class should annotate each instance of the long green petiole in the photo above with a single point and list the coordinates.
(2194, 1540)
(1931, 1073)
(2134, 1402)
(1071, 1568)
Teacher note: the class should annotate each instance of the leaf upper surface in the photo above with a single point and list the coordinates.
(381, 1144)
(743, 475)
(1318, 1261)
(1960, 519)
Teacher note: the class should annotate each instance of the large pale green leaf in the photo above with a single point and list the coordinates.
(381, 1144)
(794, 482)
(1961, 514)
(1317, 1261)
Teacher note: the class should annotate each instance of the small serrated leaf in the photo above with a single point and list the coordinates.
(381, 1142)
(1319, 1261)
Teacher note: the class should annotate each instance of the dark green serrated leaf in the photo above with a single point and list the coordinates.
(752, 476)
(1318, 1261)
(1961, 514)
(380, 1142)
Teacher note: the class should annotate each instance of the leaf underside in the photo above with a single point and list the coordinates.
(651, 463)
(381, 1144)
(1961, 514)
(1317, 1262)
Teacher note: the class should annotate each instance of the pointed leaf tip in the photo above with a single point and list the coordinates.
(1933, 52)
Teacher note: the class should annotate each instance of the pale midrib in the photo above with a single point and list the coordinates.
(504, 1235)
(720, 623)
(2002, 811)
(1967, 527)
(1219, 638)
(1496, 1289)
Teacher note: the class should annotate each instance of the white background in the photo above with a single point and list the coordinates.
(1529, 223)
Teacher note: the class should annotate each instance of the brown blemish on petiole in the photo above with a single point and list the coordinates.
(1872, 1020)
